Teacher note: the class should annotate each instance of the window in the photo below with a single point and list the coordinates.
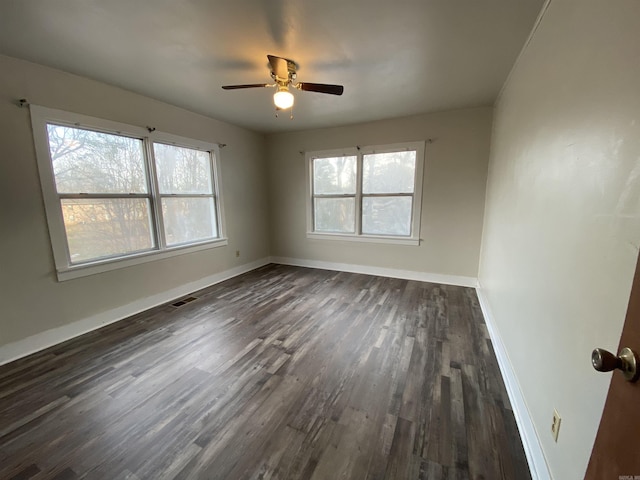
(334, 194)
(186, 194)
(367, 193)
(117, 195)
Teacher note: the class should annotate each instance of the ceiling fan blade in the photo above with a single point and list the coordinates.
(249, 85)
(282, 67)
(322, 88)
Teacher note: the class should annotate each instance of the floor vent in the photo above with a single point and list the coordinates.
(184, 301)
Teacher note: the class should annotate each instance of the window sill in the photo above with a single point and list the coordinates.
(364, 238)
(106, 265)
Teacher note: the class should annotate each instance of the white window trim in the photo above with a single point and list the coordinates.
(358, 152)
(40, 116)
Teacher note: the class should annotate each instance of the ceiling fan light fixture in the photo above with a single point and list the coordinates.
(283, 98)
(283, 72)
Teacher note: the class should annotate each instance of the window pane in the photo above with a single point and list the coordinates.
(92, 162)
(188, 219)
(392, 172)
(335, 215)
(182, 170)
(98, 228)
(334, 175)
(386, 215)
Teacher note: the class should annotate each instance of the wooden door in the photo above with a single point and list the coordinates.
(616, 451)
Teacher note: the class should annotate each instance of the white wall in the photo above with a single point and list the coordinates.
(452, 199)
(33, 300)
(562, 224)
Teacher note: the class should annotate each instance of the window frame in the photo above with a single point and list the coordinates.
(65, 269)
(166, 139)
(359, 152)
(332, 154)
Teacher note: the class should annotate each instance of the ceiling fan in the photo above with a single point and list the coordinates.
(283, 72)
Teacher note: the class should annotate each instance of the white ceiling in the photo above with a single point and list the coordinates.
(393, 58)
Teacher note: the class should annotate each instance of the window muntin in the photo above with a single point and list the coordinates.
(367, 193)
(103, 200)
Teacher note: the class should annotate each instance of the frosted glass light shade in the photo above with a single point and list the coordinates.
(283, 99)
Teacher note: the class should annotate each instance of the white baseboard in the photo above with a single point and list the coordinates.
(48, 338)
(380, 271)
(530, 442)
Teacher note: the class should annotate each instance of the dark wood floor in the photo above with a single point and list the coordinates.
(282, 373)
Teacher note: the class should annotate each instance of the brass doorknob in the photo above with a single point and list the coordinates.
(605, 361)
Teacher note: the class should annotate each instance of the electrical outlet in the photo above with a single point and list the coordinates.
(237, 253)
(555, 425)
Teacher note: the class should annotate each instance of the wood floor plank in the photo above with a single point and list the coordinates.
(281, 373)
(26, 473)
(401, 462)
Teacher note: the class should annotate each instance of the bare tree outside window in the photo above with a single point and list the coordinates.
(365, 194)
(118, 195)
(334, 188)
(387, 192)
(104, 191)
(103, 188)
(186, 193)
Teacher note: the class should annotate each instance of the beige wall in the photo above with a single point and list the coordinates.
(453, 193)
(32, 299)
(562, 224)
